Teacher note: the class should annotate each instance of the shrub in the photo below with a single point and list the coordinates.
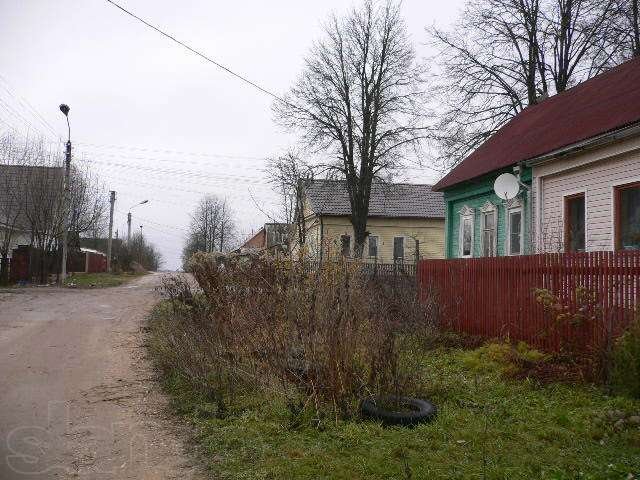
(320, 337)
(625, 361)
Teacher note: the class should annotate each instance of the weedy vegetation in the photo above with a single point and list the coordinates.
(269, 359)
(99, 280)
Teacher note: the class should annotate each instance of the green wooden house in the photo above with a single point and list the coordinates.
(480, 224)
(477, 222)
(577, 156)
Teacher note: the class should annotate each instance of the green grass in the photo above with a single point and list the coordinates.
(488, 427)
(99, 280)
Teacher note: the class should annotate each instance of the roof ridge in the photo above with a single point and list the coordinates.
(603, 103)
(389, 183)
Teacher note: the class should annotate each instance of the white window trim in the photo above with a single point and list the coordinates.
(489, 207)
(466, 212)
(511, 210)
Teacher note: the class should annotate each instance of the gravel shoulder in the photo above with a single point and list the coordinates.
(78, 398)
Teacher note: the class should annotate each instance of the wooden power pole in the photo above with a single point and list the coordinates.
(112, 201)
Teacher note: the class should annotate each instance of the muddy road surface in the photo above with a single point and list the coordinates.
(78, 398)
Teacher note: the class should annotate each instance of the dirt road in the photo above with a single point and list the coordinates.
(77, 397)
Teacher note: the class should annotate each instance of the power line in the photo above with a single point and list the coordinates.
(91, 153)
(93, 157)
(154, 222)
(164, 188)
(167, 172)
(202, 55)
(9, 109)
(27, 106)
(170, 151)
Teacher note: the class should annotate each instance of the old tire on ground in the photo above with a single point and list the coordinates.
(416, 410)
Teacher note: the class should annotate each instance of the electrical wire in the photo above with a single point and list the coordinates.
(172, 173)
(196, 52)
(169, 151)
(27, 106)
(9, 109)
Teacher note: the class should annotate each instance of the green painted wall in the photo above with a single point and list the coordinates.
(475, 194)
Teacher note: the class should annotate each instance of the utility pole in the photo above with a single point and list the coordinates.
(67, 173)
(112, 201)
(129, 227)
(129, 219)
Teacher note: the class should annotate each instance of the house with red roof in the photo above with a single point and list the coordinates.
(577, 156)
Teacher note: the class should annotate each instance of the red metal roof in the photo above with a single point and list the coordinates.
(601, 104)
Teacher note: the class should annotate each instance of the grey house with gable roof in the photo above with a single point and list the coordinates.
(405, 223)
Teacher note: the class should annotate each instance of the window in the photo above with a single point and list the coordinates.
(345, 245)
(398, 248)
(373, 246)
(465, 238)
(514, 243)
(574, 223)
(489, 233)
(417, 249)
(627, 216)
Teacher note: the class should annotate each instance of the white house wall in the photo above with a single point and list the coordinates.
(594, 173)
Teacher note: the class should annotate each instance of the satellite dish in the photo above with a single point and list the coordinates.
(506, 186)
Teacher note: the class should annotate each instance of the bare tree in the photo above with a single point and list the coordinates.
(290, 175)
(13, 155)
(504, 55)
(361, 98)
(581, 39)
(141, 251)
(629, 26)
(34, 200)
(212, 227)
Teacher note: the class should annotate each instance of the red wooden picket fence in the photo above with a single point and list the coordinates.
(494, 297)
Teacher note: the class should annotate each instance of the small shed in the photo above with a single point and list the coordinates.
(94, 260)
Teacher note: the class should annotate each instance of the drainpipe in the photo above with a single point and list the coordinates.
(528, 207)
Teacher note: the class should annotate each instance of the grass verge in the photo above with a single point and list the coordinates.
(488, 427)
(100, 280)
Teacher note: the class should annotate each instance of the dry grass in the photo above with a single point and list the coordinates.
(322, 339)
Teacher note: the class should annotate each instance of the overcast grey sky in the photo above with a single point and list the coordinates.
(155, 121)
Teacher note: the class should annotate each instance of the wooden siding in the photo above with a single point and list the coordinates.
(430, 234)
(475, 196)
(594, 173)
(494, 297)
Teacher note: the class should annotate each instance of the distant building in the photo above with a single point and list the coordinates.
(28, 197)
(405, 222)
(271, 237)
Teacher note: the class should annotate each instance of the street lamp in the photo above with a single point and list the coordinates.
(129, 219)
(67, 169)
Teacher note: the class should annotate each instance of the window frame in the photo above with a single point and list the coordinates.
(510, 211)
(466, 214)
(400, 259)
(617, 190)
(489, 208)
(566, 198)
(342, 245)
(377, 246)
